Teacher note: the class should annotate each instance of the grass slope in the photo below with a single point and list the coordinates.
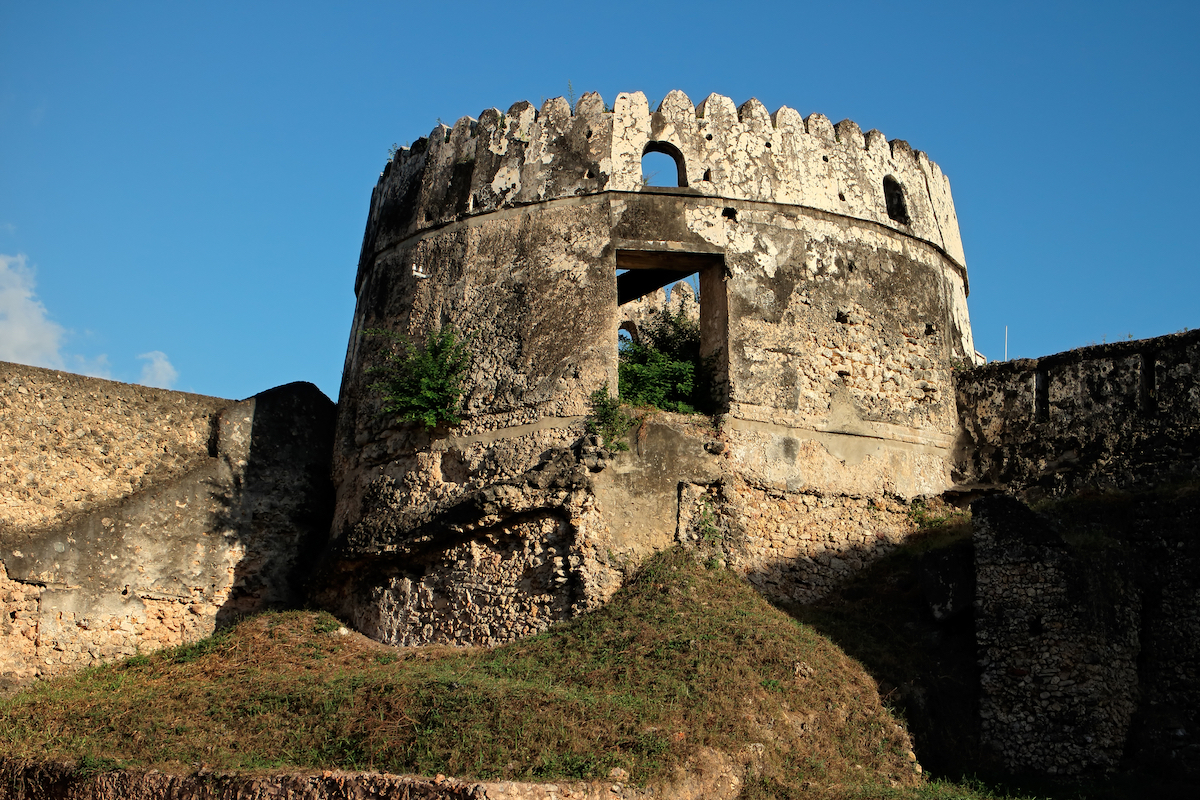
(684, 657)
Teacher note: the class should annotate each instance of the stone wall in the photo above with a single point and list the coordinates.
(1113, 415)
(1088, 629)
(1059, 652)
(69, 444)
(519, 552)
(831, 323)
(798, 546)
(1088, 613)
(141, 518)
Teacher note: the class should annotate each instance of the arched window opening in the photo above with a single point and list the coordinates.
(893, 195)
(627, 333)
(662, 165)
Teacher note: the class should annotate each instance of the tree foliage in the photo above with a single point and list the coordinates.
(665, 370)
(422, 383)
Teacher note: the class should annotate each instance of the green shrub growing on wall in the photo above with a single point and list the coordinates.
(422, 383)
(665, 370)
(608, 420)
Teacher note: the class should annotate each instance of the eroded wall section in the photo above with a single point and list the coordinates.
(138, 518)
(1106, 416)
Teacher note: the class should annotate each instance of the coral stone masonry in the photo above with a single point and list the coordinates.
(824, 270)
(137, 518)
(832, 305)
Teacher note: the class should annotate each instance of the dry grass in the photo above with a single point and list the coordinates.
(684, 657)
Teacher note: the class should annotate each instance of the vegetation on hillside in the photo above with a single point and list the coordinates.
(684, 657)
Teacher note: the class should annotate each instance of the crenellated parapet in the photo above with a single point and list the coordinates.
(829, 297)
(526, 155)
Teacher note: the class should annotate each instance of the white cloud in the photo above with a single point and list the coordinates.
(27, 335)
(157, 371)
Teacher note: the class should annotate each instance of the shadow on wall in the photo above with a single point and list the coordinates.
(229, 529)
(891, 583)
(1056, 643)
(1093, 667)
(279, 504)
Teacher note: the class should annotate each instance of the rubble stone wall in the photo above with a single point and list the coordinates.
(1106, 416)
(833, 324)
(229, 503)
(1088, 632)
(1059, 654)
(69, 443)
(1087, 619)
(797, 546)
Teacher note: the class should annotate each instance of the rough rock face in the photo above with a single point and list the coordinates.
(714, 776)
(1108, 416)
(1059, 682)
(832, 307)
(151, 516)
(1089, 633)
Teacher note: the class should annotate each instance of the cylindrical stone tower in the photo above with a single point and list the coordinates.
(832, 294)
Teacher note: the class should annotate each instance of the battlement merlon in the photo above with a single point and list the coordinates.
(524, 156)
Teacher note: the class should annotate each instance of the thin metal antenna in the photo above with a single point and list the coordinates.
(1006, 343)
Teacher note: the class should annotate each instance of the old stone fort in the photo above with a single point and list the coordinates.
(832, 302)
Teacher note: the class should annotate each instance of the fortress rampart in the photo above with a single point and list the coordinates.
(523, 156)
(134, 518)
(1117, 415)
(832, 304)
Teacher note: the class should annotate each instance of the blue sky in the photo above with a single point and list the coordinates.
(183, 187)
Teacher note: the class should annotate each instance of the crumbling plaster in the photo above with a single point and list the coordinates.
(833, 328)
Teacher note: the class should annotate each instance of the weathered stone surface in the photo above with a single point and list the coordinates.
(69, 443)
(797, 546)
(1059, 682)
(1090, 646)
(1086, 652)
(508, 160)
(830, 322)
(226, 521)
(1115, 415)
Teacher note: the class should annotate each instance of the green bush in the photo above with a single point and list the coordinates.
(422, 384)
(607, 420)
(665, 369)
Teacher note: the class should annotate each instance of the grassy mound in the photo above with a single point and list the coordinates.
(683, 658)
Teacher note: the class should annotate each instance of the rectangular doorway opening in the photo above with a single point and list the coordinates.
(673, 330)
